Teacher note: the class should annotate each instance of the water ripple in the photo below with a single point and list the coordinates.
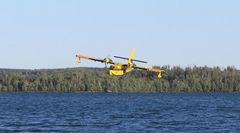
(99, 112)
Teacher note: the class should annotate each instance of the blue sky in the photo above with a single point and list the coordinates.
(48, 33)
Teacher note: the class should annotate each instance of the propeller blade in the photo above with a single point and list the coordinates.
(105, 65)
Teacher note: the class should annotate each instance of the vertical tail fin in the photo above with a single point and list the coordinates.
(132, 56)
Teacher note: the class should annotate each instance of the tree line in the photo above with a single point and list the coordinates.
(177, 79)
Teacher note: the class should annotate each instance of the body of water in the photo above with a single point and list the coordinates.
(110, 112)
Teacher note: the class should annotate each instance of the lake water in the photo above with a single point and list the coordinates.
(109, 112)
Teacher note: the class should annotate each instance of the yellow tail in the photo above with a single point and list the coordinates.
(132, 56)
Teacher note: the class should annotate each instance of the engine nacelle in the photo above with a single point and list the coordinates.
(160, 75)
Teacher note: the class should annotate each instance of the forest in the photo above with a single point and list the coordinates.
(177, 79)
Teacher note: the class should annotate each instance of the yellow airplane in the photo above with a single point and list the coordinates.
(119, 69)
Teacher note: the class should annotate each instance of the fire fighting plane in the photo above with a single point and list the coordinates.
(120, 69)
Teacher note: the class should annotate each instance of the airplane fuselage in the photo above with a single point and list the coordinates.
(119, 69)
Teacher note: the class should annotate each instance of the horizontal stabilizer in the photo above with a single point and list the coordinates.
(124, 58)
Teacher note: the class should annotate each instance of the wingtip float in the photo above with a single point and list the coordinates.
(120, 69)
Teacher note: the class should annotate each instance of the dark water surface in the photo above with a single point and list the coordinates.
(109, 112)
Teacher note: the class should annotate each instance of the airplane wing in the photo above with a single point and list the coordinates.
(106, 60)
(155, 70)
(149, 69)
(141, 68)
